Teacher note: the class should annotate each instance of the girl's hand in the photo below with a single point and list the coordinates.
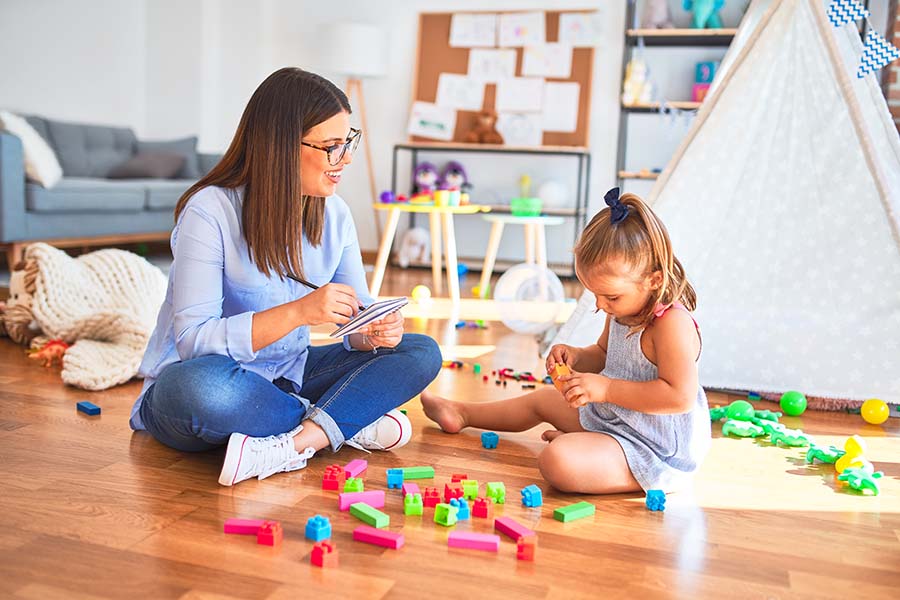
(386, 332)
(581, 388)
(331, 303)
(561, 354)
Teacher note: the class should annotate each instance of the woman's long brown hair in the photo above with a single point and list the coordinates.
(264, 158)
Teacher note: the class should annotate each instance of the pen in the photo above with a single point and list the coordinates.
(314, 286)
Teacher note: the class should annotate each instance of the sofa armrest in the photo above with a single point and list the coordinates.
(208, 161)
(12, 188)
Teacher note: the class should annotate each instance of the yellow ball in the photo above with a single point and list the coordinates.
(875, 411)
(421, 293)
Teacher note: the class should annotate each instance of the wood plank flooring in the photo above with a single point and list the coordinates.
(90, 510)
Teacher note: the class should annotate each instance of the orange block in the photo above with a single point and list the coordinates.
(526, 547)
(559, 371)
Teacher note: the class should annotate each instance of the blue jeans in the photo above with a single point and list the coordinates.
(197, 404)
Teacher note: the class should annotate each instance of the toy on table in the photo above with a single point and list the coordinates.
(656, 500)
(425, 178)
(387, 197)
(862, 479)
(706, 13)
(793, 403)
(485, 130)
(657, 15)
(454, 176)
(875, 411)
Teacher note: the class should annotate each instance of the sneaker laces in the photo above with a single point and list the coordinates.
(276, 453)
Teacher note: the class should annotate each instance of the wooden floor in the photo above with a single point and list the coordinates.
(90, 510)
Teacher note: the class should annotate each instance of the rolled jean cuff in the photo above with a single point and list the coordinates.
(328, 425)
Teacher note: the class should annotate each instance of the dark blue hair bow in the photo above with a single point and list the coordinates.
(618, 211)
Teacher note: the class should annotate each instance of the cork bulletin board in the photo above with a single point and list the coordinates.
(436, 56)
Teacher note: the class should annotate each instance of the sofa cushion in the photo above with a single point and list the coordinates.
(89, 150)
(164, 194)
(41, 164)
(73, 194)
(155, 165)
(186, 147)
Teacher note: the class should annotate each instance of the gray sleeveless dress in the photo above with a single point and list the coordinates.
(662, 450)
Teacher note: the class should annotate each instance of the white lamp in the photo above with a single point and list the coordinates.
(358, 51)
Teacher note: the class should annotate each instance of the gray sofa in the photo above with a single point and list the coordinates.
(85, 208)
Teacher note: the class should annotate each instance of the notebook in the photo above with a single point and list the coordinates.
(376, 311)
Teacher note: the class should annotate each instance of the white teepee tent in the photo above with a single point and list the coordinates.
(783, 203)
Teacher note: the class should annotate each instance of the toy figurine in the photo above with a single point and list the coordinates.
(485, 130)
(706, 13)
(425, 178)
(454, 177)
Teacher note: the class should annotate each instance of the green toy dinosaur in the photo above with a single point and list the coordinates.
(793, 438)
(862, 480)
(826, 455)
(706, 13)
(742, 429)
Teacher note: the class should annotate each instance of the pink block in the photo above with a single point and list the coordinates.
(474, 541)
(378, 537)
(356, 468)
(243, 526)
(411, 488)
(507, 526)
(375, 499)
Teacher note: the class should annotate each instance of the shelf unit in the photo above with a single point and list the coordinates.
(659, 38)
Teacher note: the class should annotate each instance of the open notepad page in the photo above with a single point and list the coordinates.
(377, 311)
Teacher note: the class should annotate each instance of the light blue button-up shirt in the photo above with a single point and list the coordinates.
(214, 290)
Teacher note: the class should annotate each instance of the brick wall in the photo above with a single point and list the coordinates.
(891, 73)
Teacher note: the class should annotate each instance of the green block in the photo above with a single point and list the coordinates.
(579, 510)
(470, 489)
(417, 473)
(445, 514)
(412, 504)
(476, 369)
(496, 491)
(370, 516)
(354, 484)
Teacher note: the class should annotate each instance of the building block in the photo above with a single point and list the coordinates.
(656, 500)
(394, 479)
(411, 488)
(483, 508)
(509, 527)
(579, 510)
(431, 497)
(418, 473)
(699, 91)
(462, 509)
(489, 440)
(356, 468)
(557, 372)
(88, 408)
(412, 505)
(532, 496)
(496, 491)
(378, 537)
(333, 478)
(354, 484)
(526, 547)
(470, 489)
(452, 490)
(318, 528)
(706, 72)
(370, 516)
(474, 541)
(458, 477)
(374, 498)
(270, 533)
(445, 514)
(243, 526)
(324, 554)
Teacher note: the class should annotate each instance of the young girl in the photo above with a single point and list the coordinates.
(632, 414)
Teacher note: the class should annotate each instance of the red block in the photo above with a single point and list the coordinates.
(483, 508)
(431, 497)
(378, 537)
(334, 478)
(458, 477)
(270, 534)
(324, 554)
(452, 490)
(526, 547)
(243, 526)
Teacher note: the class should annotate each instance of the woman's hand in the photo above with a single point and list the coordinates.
(331, 303)
(385, 333)
(580, 388)
(561, 354)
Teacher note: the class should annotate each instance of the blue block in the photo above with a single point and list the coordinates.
(394, 479)
(532, 496)
(656, 500)
(462, 508)
(318, 528)
(706, 72)
(489, 439)
(88, 408)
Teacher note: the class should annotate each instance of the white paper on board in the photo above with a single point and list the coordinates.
(522, 29)
(581, 30)
(519, 94)
(560, 106)
(490, 65)
(459, 92)
(520, 129)
(469, 30)
(431, 121)
(547, 60)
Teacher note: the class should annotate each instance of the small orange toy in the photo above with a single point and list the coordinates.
(50, 353)
(557, 372)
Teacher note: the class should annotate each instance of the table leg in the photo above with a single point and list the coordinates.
(450, 252)
(540, 244)
(434, 222)
(384, 251)
(529, 243)
(490, 258)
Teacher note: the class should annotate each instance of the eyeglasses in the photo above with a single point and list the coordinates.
(337, 151)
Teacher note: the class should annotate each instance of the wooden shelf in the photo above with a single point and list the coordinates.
(681, 37)
(459, 146)
(550, 212)
(637, 175)
(655, 106)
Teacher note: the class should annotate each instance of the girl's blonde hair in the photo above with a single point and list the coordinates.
(641, 240)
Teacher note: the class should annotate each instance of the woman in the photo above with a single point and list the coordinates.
(230, 359)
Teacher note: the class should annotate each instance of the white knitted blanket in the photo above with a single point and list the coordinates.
(103, 303)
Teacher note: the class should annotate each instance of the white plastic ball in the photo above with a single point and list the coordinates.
(529, 297)
(554, 194)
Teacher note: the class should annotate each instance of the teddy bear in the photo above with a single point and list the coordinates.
(485, 130)
(414, 247)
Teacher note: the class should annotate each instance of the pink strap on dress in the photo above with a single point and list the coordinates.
(662, 308)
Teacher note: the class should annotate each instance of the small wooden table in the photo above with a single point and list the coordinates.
(436, 214)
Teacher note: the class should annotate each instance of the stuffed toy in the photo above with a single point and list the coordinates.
(454, 177)
(425, 178)
(637, 87)
(414, 247)
(657, 15)
(706, 13)
(102, 304)
(485, 130)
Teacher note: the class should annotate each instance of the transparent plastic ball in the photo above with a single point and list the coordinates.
(529, 298)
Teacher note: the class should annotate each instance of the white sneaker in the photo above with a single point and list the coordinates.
(248, 457)
(389, 432)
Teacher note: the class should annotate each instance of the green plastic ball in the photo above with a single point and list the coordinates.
(740, 410)
(793, 403)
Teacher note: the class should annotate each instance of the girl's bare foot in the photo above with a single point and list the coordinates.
(550, 435)
(445, 413)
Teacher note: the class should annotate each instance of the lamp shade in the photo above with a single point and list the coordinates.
(355, 49)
